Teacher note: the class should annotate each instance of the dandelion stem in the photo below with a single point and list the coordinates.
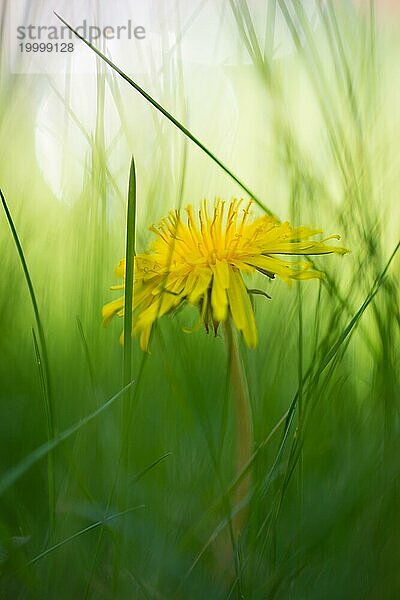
(243, 425)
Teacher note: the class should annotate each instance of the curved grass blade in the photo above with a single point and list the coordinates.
(81, 532)
(42, 359)
(41, 336)
(26, 463)
(171, 118)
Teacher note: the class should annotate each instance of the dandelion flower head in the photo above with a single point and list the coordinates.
(202, 258)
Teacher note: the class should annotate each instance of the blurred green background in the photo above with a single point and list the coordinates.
(315, 133)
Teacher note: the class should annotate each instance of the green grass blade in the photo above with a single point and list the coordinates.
(171, 118)
(129, 273)
(81, 532)
(22, 467)
(42, 361)
(41, 336)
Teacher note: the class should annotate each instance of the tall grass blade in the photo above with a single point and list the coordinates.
(171, 118)
(130, 253)
(42, 360)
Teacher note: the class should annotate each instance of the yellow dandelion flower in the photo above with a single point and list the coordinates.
(200, 260)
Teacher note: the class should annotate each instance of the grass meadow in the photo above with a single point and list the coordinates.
(112, 492)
